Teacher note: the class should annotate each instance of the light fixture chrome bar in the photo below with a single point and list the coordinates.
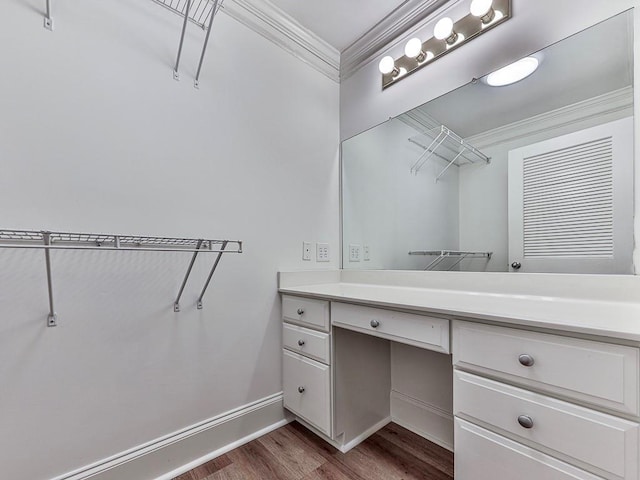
(176, 74)
(48, 19)
(213, 269)
(176, 304)
(52, 319)
(214, 9)
(467, 28)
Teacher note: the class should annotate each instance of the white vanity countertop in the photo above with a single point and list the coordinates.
(615, 318)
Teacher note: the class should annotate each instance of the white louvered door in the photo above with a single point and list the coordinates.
(571, 202)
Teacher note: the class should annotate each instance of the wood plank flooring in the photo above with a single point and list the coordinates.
(294, 453)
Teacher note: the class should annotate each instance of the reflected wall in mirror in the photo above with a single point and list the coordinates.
(534, 176)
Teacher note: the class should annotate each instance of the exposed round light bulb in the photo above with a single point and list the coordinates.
(479, 8)
(513, 73)
(443, 29)
(387, 65)
(413, 48)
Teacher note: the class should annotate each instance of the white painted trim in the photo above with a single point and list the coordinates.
(364, 435)
(405, 20)
(275, 25)
(139, 451)
(609, 106)
(428, 421)
(223, 450)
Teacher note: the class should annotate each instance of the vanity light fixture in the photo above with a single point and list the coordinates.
(513, 73)
(448, 34)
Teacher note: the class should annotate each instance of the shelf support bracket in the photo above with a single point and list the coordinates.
(187, 9)
(196, 83)
(213, 269)
(450, 163)
(176, 304)
(52, 319)
(48, 19)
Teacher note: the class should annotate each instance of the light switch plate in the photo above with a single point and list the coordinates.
(322, 252)
(366, 253)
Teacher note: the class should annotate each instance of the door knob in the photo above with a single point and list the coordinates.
(516, 265)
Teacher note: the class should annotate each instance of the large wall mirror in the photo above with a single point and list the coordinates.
(533, 176)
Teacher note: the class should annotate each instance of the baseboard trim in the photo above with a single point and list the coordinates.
(364, 435)
(428, 421)
(229, 430)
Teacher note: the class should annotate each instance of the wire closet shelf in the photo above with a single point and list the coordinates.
(199, 13)
(442, 255)
(441, 142)
(47, 241)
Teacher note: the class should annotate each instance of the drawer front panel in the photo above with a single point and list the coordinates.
(307, 342)
(593, 372)
(483, 455)
(306, 311)
(306, 386)
(419, 330)
(603, 443)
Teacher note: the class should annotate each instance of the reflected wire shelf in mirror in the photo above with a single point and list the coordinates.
(443, 143)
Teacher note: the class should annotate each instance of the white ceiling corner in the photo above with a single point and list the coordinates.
(277, 26)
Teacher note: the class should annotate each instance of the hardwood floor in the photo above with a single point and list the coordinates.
(294, 453)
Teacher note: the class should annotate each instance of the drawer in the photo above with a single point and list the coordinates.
(307, 392)
(310, 343)
(306, 311)
(418, 330)
(599, 442)
(483, 455)
(593, 372)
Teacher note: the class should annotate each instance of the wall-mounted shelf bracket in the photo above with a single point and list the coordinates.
(48, 19)
(213, 269)
(48, 241)
(442, 255)
(176, 72)
(443, 143)
(214, 10)
(176, 304)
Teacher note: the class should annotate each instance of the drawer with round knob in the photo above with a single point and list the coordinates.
(311, 343)
(423, 331)
(591, 372)
(597, 442)
(306, 390)
(306, 311)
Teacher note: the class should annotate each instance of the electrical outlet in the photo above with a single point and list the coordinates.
(354, 252)
(306, 251)
(366, 253)
(322, 252)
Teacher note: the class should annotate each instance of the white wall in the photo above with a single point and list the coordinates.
(534, 26)
(390, 209)
(96, 136)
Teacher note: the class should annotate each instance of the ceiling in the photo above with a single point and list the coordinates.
(339, 22)
(593, 62)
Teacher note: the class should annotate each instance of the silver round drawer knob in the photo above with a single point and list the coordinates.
(526, 360)
(301, 389)
(525, 421)
(374, 323)
(301, 343)
(300, 311)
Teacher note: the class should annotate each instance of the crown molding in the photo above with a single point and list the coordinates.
(410, 14)
(275, 25)
(609, 106)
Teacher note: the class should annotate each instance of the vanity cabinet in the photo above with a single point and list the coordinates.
(543, 405)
